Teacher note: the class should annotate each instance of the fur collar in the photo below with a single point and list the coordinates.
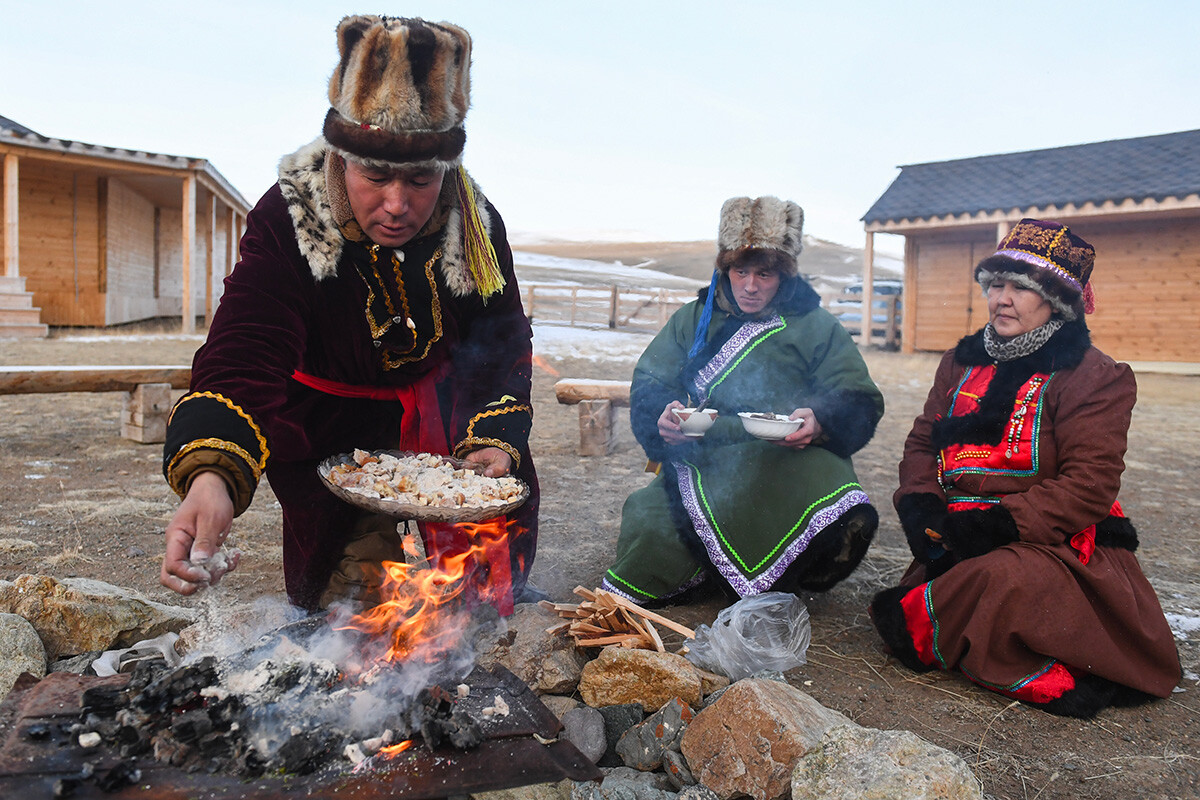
(1064, 350)
(302, 181)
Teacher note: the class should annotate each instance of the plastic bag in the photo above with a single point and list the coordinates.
(768, 631)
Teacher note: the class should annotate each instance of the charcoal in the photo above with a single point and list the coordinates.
(179, 688)
(103, 699)
(124, 773)
(305, 752)
(191, 725)
(66, 787)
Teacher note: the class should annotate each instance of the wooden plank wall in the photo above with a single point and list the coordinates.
(946, 300)
(1147, 284)
(60, 243)
(130, 255)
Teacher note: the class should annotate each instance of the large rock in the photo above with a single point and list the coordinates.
(642, 746)
(21, 650)
(78, 615)
(748, 741)
(584, 728)
(620, 675)
(549, 664)
(624, 783)
(855, 763)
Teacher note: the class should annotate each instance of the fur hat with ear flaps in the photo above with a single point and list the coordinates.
(761, 223)
(400, 91)
(398, 95)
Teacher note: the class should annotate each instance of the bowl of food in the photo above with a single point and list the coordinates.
(695, 421)
(766, 425)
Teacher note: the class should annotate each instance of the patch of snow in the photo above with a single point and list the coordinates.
(593, 344)
(1183, 625)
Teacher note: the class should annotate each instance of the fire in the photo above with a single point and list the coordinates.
(421, 613)
(540, 363)
(396, 749)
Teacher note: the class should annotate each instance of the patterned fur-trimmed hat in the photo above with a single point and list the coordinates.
(400, 91)
(1046, 257)
(761, 223)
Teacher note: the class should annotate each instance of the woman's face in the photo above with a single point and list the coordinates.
(754, 286)
(1014, 309)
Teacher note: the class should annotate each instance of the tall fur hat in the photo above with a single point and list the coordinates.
(1044, 256)
(760, 224)
(400, 91)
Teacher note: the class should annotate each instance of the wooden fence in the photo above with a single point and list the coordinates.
(647, 310)
(615, 307)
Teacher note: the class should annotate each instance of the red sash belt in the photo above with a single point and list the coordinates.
(421, 428)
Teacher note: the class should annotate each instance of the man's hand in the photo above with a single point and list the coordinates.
(668, 426)
(495, 461)
(196, 533)
(809, 430)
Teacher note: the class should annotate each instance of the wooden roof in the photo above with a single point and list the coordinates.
(1147, 170)
(143, 163)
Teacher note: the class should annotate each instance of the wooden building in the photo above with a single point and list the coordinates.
(1135, 200)
(98, 236)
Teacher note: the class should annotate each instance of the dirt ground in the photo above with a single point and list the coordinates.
(78, 500)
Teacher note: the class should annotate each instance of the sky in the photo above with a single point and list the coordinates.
(629, 120)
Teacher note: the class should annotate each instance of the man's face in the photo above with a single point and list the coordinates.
(392, 206)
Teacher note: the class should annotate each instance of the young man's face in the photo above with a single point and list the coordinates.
(392, 206)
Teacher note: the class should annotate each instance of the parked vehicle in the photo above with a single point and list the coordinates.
(848, 309)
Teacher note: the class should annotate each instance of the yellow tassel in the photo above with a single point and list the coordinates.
(477, 246)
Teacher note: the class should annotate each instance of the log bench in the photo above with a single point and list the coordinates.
(597, 401)
(147, 391)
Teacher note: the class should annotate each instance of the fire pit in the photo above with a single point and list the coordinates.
(40, 757)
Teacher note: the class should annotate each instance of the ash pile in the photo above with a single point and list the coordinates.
(307, 698)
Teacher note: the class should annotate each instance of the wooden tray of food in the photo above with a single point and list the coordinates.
(420, 486)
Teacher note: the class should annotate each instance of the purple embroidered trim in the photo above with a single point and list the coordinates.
(725, 565)
(730, 351)
(1038, 261)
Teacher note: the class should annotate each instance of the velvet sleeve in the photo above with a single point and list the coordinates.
(493, 365)
(239, 375)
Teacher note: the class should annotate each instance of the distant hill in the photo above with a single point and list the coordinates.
(830, 266)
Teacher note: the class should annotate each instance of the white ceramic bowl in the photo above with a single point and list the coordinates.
(695, 421)
(769, 426)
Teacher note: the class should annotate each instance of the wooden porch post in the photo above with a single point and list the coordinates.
(210, 248)
(12, 250)
(1002, 229)
(189, 239)
(908, 325)
(230, 241)
(868, 289)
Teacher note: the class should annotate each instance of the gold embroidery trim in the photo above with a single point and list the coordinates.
(258, 434)
(209, 444)
(435, 309)
(474, 443)
(495, 413)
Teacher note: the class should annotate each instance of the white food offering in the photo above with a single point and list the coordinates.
(423, 480)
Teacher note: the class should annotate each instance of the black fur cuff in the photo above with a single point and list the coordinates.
(917, 512)
(975, 532)
(888, 616)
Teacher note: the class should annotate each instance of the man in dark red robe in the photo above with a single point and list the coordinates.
(374, 307)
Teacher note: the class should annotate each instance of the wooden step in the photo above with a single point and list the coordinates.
(12, 284)
(19, 316)
(19, 331)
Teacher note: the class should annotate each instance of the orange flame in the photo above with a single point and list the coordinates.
(540, 363)
(396, 749)
(420, 613)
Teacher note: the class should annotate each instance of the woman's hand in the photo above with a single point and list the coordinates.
(196, 533)
(495, 461)
(809, 430)
(668, 425)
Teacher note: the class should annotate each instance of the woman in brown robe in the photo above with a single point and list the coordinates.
(1025, 578)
